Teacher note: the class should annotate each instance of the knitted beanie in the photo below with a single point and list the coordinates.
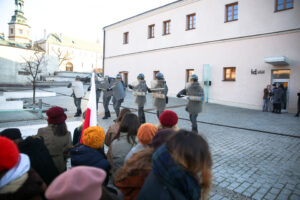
(11, 133)
(56, 115)
(93, 137)
(146, 132)
(76, 184)
(168, 118)
(9, 154)
(161, 137)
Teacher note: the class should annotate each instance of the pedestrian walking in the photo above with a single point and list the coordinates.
(78, 93)
(107, 94)
(57, 138)
(277, 94)
(118, 90)
(266, 98)
(181, 169)
(140, 90)
(298, 112)
(159, 90)
(194, 93)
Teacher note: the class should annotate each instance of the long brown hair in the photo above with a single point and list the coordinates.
(59, 129)
(191, 151)
(130, 125)
(122, 113)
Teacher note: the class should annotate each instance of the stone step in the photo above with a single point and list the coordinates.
(11, 105)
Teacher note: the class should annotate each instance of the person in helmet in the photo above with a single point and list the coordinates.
(107, 94)
(159, 90)
(77, 94)
(118, 91)
(139, 91)
(194, 93)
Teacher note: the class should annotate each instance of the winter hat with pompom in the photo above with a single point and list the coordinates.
(9, 154)
(93, 137)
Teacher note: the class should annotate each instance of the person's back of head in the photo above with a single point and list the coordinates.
(146, 132)
(191, 151)
(122, 113)
(56, 119)
(13, 134)
(129, 124)
(168, 119)
(93, 137)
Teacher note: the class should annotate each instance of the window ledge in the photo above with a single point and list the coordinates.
(228, 80)
(231, 20)
(283, 9)
(190, 29)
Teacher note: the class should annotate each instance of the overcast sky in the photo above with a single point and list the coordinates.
(83, 19)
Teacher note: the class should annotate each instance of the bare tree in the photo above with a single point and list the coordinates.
(33, 66)
(62, 55)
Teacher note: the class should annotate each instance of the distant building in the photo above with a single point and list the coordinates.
(73, 54)
(19, 30)
(235, 47)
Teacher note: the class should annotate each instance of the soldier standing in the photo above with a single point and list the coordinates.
(194, 93)
(107, 94)
(78, 93)
(118, 91)
(139, 91)
(159, 90)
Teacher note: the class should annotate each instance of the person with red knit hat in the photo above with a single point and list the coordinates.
(168, 119)
(57, 138)
(145, 134)
(17, 179)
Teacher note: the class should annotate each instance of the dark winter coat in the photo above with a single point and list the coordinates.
(77, 135)
(277, 95)
(299, 101)
(32, 189)
(84, 155)
(159, 103)
(140, 100)
(193, 90)
(154, 188)
(40, 158)
(58, 146)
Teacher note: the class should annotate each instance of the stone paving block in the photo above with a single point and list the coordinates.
(216, 197)
(251, 190)
(275, 191)
(233, 186)
(224, 184)
(295, 197)
(258, 196)
(270, 196)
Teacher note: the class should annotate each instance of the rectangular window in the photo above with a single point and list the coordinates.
(154, 74)
(191, 21)
(125, 38)
(232, 12)
(229, 73)
(189, 72)
(23, 73)
(11, 31)
(284, 4)
(167, 27)
(21, 31)
(151, 31)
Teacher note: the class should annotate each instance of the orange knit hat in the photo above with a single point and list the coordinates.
(93, 137)
(146, 133)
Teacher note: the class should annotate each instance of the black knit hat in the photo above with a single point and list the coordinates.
(161, 137)
(11, 133)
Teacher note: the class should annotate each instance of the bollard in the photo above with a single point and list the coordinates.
(40, 108)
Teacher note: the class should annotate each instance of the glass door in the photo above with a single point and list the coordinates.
(284, 84)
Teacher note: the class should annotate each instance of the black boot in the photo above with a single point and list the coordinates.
(105, 115)
(108, 114)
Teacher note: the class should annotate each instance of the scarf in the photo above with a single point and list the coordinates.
(174, 175)
(17, 171)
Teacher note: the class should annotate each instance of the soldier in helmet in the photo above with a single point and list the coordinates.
(194, 93)
(159, 90)
(118, 90)
(107, 94)
(139, 91)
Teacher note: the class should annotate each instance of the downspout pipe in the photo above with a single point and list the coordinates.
(103, 58)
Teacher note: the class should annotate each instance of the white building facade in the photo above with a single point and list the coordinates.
(236, 48)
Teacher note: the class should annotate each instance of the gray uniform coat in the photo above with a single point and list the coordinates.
(118, 90)
(140, 87)
(104, 85)
(194, 89)
(158, 103)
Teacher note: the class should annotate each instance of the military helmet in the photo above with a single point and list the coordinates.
(119, 76)
(194, 77)
(159, 75)
(141, 76)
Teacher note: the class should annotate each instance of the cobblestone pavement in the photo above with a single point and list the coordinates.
(247, 164)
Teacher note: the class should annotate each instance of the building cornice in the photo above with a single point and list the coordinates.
(149, 13)
(210, 42)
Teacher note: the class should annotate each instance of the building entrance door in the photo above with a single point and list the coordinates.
(282, 79)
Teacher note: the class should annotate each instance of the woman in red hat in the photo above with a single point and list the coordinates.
(57, 138)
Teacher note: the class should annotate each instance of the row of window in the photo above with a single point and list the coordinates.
(231, 14)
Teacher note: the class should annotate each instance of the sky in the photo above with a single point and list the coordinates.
(81, 19)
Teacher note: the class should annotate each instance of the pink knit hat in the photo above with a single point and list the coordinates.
(76, 184)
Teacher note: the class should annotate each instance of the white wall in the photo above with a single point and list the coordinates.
(255, 17)
(244, 54)
(11, 62)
